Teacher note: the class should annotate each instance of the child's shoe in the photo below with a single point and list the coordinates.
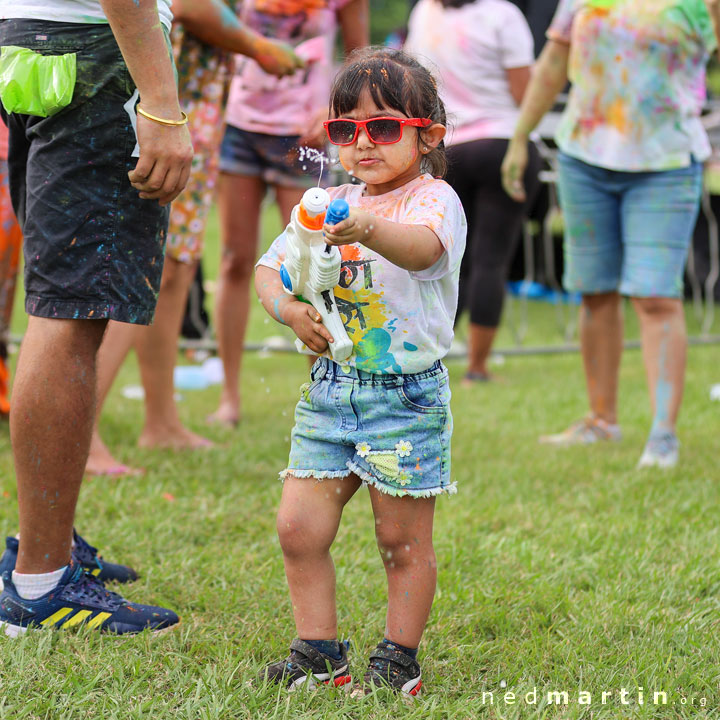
(390, 667)
(306, 666)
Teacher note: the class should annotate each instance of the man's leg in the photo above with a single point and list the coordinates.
(50, 426)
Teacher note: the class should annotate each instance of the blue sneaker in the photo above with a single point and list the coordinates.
(83, 554)
(79, 599)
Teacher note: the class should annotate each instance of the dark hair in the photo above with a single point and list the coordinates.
(396, 81)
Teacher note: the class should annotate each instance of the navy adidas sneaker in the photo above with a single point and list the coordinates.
(83, 553)
(79, 599)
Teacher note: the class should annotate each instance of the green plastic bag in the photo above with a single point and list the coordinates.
(34, 84)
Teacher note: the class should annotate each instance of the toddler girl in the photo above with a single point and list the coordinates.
(383, 419)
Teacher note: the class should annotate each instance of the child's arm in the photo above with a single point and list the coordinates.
(411, 247)
(303, 319)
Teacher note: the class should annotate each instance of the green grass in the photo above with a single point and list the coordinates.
(560, 570)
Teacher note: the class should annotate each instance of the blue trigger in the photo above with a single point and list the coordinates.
(337, 211)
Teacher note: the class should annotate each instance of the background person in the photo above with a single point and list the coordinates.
(630, 178)
(10, 242)
(267, 121)
(94, 218)
(483, 75)
(205, 35)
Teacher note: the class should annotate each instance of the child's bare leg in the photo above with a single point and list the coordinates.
(403, 528)
(307, 523)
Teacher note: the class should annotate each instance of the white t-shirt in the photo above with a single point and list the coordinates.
(400, 322)
(68, 11)
(470, 48)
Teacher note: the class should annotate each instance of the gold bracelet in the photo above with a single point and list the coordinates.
(162, 121)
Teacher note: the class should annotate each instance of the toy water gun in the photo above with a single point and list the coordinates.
(312, 267)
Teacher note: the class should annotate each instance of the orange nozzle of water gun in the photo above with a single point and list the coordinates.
(311, 223)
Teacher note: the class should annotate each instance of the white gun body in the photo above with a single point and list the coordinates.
(313, 269)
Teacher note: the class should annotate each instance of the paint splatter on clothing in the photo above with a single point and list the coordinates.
(637, 69)
(262, 103)
(399, 321)
(93, 248)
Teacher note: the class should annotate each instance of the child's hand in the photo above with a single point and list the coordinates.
(356, 228)
(306, 322)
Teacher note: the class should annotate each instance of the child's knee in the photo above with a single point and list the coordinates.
(300, 534)
(399, 546)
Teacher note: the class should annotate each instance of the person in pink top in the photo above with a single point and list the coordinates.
(268, 121)
(10, 240)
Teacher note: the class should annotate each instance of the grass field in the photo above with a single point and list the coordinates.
(562, 571)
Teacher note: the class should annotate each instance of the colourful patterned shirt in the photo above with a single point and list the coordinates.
(637, 69)
(400, 322)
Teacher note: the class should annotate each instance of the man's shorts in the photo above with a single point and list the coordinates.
(392, 431)
(93, 249)
(273, 158)
(627, 232)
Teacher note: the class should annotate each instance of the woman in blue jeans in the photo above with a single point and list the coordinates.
(630, 177)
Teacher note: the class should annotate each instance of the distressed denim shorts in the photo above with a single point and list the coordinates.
(274, 158)
(392, 431)
(627, 231)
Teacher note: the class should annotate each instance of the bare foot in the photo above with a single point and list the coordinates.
(177, 438)
(101, 463)
(227, 414)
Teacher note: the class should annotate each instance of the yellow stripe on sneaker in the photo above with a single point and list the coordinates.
(77, 618)
(96, 572)
(56, 616)
(99, 619)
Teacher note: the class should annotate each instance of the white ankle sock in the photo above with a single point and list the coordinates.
(34, 586)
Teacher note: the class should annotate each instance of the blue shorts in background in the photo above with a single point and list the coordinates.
(392, 431)
(627, 231)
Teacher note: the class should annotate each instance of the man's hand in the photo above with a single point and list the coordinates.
(164, 165)
(277, 58)
(306, 322)
(356, 228)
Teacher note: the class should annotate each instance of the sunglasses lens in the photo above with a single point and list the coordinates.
(384, 130)
(341, 132)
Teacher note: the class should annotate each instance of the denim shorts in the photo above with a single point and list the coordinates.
(392, 431)
(274, 158)
(93, 249)
(627, 231)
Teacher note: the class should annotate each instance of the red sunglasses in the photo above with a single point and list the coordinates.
(380, 130)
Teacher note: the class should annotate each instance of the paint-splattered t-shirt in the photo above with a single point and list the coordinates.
(400, 321)
(637, 69)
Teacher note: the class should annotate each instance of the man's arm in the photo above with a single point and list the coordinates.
(165, 151)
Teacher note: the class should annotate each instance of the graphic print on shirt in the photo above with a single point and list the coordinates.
(363, 312)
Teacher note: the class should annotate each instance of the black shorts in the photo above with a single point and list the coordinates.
(93, 249)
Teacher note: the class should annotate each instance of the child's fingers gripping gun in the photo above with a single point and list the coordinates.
(312, 267)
